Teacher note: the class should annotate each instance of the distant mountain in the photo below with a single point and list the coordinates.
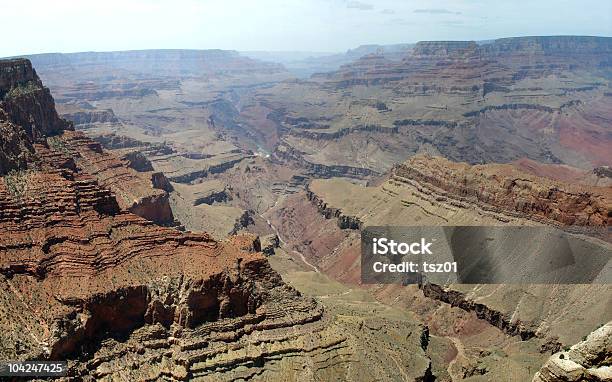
(304, 64)
(163, 62)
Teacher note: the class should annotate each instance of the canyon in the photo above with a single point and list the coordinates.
(196, 215)
(89, 278)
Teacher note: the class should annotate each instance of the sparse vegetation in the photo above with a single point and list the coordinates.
(22, 89)
(57, 144)
(16, 182)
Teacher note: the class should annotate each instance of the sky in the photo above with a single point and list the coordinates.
(43, 26)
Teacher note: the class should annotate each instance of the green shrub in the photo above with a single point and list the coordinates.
(22, 89)
(16, 182)
(57, 144)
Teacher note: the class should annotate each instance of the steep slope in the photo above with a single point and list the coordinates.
(140, 192)
(27, 102)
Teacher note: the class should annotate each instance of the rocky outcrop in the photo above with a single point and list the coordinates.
(603, 172)
(509, 107)
(286, 153)
(15, 72)
(114, 141)
(588, 361)
(87, 117)
(220, 196)
(243, 221)
(269, 243)
(445, 49)
(326, 135)
(27, 102)
(16, 150)
(344, 221)
(159, 180)
(205, 169)
(138, 161)
(140, 192)
(329, 171)
(505, 189)
(426, 122)
(525, 330)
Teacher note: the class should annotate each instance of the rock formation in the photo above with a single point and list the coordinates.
(533, 55)
(588, 360)
(27, 102)
(87, 117)
(16, 150)
(140, 192)
(220, 142)
(506, 189)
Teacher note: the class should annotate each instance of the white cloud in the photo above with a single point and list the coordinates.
(359, 5)
(436, 11)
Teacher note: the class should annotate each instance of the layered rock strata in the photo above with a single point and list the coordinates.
(433, 191)
(504, 188)
(140, 192)
(27, 102)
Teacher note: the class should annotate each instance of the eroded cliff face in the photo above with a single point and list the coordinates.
(28, 116)
(27, 102)
(579, 46)
(14, 73)
(15, 148)
(140, 192)
(501, 62)
(87, 117)
(504, 188)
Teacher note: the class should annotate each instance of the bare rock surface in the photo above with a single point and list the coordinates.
(588, 360)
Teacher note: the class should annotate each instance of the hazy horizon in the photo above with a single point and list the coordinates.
(321, 53)
(318, 26)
